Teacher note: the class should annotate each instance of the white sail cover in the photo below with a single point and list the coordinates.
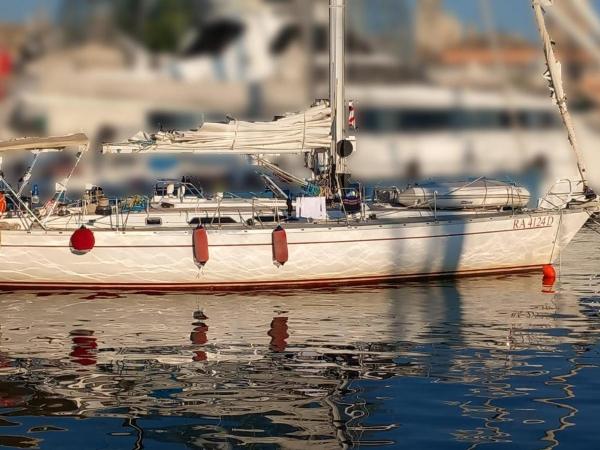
(294, 133)
(53, 143)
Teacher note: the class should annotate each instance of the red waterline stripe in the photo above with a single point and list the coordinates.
(263, 285)
(289, 243)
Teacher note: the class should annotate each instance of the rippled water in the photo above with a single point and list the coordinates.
(485, 362)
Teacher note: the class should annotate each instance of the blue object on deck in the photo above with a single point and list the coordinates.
(312, 190)
(137, 205)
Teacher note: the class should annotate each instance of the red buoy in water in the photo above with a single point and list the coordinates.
(549, 275)
(280, 246)
(200, 240)
(82, 241)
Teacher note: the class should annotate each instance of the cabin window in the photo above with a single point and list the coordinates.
(391, 120)
(153, 221)
(268, 219)
(397, 120)
(424, 120)
(211, 220)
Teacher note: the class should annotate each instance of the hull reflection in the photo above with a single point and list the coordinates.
(282, 369)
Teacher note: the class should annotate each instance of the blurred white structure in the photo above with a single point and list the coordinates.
(413, 131)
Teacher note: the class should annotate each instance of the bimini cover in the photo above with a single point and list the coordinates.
(56, 143)
(294, 133)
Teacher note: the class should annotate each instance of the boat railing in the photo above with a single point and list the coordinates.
(559, 199)
(247, 212)
(257, 207)
(194, 189)
(26, 215)
(121, 209)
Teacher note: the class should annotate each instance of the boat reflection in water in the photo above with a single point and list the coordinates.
(452, 363)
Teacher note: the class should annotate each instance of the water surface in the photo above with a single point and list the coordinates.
(495, 363)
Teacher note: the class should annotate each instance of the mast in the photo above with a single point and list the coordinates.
(337, 57)
(554, 77)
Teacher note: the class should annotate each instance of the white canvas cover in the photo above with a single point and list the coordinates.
(55, 143)
(294, 133)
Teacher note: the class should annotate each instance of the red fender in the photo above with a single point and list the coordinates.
(280, 246)
(200, 240)
(3, 205)
(82, 241)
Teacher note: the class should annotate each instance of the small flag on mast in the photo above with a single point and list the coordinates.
(351, 116)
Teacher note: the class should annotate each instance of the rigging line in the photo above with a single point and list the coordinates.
(27, 175)
(578, 32)
(82, 151)
(17, 199)
(556, 236)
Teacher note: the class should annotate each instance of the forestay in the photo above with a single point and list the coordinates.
(554, 77)
(292, 134)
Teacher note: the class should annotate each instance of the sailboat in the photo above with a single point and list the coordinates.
(355, 248)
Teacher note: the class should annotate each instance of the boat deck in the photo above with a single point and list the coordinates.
(306, 224)
(442, 217)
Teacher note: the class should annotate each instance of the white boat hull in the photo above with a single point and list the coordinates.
(318, 254)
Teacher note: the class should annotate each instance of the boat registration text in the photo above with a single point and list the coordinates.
(533, 222)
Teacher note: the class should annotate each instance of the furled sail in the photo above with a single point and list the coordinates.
(54, 143)
(554, 77)
(292, 134)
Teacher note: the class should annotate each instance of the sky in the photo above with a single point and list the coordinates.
(509, 15)
(19, 10)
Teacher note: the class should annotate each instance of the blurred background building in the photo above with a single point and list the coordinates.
(442, 88)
